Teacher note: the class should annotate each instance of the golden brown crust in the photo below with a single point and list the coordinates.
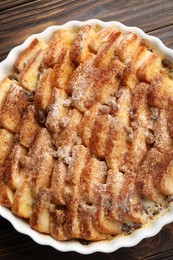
(44, 90)
(6, 194)
(61, 41)
(28, 127)
(12, 174)
(27, 56)
(14, 106)
(80, 47)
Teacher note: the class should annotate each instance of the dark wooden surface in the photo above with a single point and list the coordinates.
(21, 18)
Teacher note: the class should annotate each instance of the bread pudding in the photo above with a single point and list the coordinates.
(86, 134)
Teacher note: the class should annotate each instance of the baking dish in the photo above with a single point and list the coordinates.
(104, 246)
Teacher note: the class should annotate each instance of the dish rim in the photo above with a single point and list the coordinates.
(102, 246)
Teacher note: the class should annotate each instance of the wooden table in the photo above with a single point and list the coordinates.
(21, 18)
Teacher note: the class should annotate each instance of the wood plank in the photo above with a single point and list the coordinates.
(21, 18)
(165, 255)
(37, 15)
(165, 35)
(131, 12)
(7, 4)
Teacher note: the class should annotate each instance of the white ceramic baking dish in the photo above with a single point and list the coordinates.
(103, 246)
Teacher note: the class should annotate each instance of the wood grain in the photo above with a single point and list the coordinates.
(165, 35)
(8, 4)
(21, 18)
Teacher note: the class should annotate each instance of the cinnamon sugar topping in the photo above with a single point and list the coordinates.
(86, 138)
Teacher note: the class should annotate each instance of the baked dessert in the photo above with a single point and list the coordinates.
(87, 134)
